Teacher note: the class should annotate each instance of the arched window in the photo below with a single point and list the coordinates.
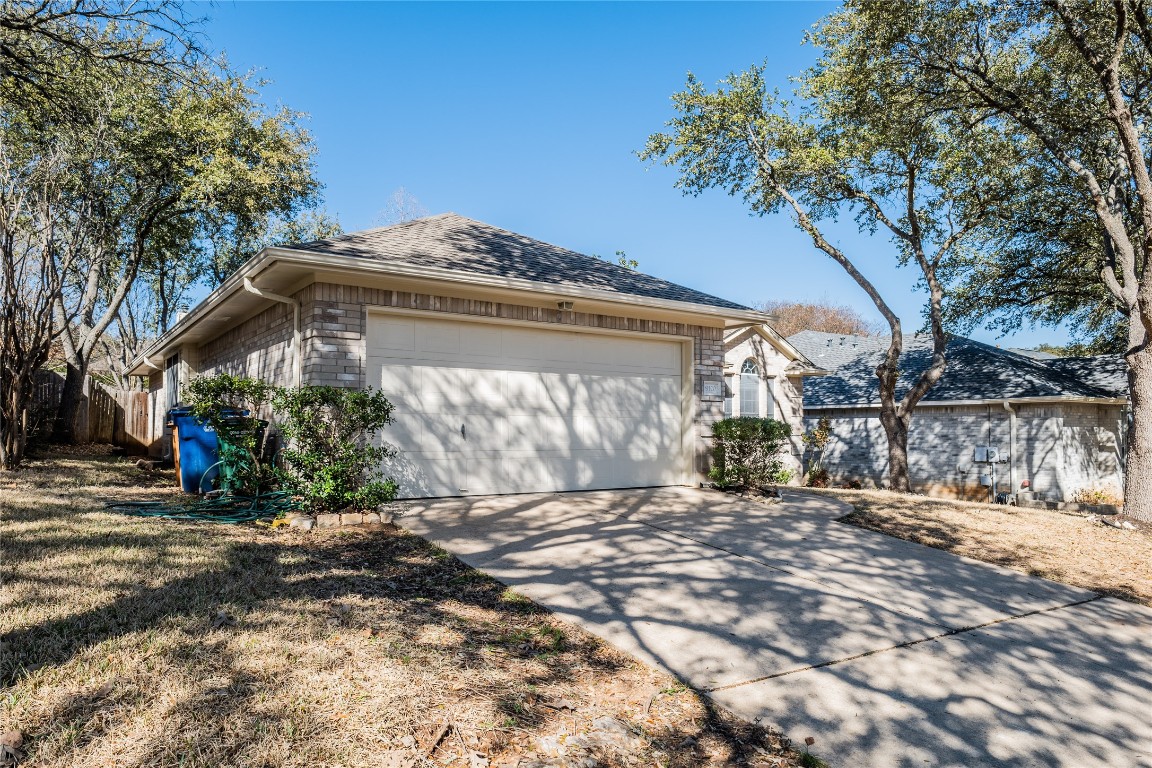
(749, 388)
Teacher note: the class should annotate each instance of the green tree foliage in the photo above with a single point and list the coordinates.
(47, 45)
(332, 457)
(1065, 83)
(852, 142)
(746, 452)
(163, 160)
(116, 199)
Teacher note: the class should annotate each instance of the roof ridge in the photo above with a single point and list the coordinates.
(373, 230)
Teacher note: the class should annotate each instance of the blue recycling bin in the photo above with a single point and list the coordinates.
(196, 453)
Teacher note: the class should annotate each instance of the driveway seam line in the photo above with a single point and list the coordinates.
(906, 644)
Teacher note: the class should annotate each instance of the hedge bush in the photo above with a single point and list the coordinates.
(331, 457)
(746, 452)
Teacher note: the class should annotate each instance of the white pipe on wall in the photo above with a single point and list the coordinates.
(297, 339)
(1011, 446)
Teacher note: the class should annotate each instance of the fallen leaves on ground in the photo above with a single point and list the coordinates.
(132, 641)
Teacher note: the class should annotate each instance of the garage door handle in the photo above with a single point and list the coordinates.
(463, 433)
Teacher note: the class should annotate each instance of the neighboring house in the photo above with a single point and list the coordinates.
(1060, 423)
(764, 377)
(514, 365)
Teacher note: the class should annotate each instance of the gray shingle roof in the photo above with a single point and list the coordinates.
(449, 241)
(975, 371)
(1107, 372)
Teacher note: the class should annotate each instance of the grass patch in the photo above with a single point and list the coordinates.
(141, 642)
(1056, 545)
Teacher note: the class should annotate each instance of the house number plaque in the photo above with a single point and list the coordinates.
(713, 389)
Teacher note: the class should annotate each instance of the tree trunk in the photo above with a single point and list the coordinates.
(64, 430)
(896, 430)
(1138, 453)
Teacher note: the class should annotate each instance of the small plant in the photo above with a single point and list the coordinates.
(554, 637)
(231, 406)
(815, 442)
(819, 478)
(1096, 496)
(746, 453)
(331, 458)
(809, 760)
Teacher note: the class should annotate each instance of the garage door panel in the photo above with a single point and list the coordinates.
(542, 410)
(523, 344)
(482, 341)
(421, 475)
(392, 333)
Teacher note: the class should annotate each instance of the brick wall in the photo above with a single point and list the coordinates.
(787, 391)
(260, 347)
(1060, 448)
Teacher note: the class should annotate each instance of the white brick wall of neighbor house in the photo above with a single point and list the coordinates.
(1069, 418)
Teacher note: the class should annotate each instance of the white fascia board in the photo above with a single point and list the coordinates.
(472, 279)
(785, 347)
(267, 257)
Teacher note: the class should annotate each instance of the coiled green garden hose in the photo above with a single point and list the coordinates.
(229, 508)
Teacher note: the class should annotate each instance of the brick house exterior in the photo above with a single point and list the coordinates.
(761, 363)
(1057, 424)
(444, 268)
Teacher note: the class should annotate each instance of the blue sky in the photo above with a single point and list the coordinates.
(528, 116)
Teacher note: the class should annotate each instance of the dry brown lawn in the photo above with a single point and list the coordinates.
(1062, 546)
(134, 642)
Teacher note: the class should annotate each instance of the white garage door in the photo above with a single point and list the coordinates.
(486, 408)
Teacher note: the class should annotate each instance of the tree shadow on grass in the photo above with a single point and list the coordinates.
(273, 583)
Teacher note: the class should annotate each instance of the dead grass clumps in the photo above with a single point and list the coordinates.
(137, 642)
(1061, 546)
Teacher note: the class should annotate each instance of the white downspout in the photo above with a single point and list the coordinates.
(297, 341)
(1011, 446)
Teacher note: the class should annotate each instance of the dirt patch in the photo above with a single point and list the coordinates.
(139, 642)
(1062, 546)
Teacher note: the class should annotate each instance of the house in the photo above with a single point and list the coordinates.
(1057, 424)
(514, 365)
(764, 377)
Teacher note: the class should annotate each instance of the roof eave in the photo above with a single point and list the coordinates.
(266, 258)
(786, 347)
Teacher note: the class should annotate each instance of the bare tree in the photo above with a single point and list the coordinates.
(40, 233)
(793, 317)
(401, 206)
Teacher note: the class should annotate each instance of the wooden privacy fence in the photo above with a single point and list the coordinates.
(106, 415)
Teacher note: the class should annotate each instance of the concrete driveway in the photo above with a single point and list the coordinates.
(887, 652)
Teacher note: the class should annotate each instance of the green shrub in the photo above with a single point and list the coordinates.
(220, 401)
(747, 452)
(330, 457)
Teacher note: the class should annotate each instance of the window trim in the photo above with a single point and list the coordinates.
(750, 388)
